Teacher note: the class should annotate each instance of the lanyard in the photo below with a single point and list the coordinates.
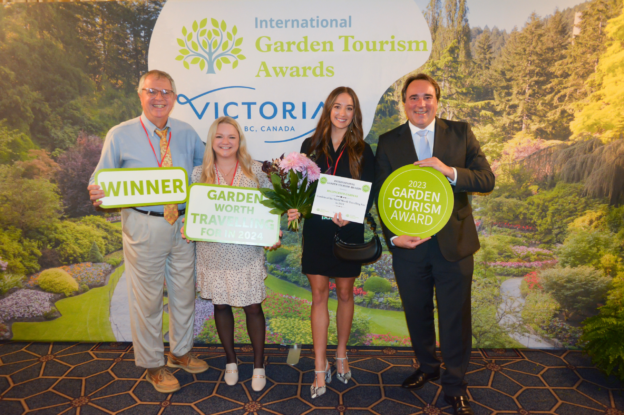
(336, 165)
(151, 145)
(235, 169)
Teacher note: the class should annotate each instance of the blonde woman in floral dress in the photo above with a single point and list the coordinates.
(232, 275)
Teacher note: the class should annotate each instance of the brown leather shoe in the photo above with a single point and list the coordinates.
(188, 362)
(162, 380)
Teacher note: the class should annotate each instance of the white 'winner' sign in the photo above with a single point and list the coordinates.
(217, 213)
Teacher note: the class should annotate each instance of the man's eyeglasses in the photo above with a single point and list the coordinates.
(166, 93)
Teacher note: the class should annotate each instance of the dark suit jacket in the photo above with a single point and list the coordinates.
(456, 146)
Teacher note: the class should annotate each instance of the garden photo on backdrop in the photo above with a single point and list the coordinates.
(545, 99)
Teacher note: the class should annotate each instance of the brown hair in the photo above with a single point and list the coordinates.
(354, 137)
(420, 77)
(208, 174)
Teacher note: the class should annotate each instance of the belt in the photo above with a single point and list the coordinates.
(160, 215)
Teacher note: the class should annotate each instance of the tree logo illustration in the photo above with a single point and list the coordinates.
(210, 47)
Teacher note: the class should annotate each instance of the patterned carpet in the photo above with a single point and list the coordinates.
(81, 378)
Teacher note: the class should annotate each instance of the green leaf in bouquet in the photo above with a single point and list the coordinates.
(294, 181)
(306, 197)
(310, 190)
(281, 204)
(267, 192)
(306, 211)
(272, 195)
(277, 185)
(277, 211)
(268, 203)
(276, 180)
(301, 192)
(273, 200)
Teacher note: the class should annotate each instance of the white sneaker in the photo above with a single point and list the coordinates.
(258, 380)
(231, 374)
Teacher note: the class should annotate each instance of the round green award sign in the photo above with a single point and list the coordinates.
(415, 201)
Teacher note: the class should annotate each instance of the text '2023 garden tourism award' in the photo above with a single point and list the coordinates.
(228, 214)
(415, 201)
(146, 186)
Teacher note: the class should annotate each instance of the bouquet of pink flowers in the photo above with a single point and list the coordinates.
(294, 179)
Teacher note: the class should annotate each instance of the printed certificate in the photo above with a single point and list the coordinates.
(341, 195)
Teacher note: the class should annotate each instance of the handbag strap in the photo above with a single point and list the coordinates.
(371, 222)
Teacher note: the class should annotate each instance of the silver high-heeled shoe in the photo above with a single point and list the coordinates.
(343, 377)
(317, 391)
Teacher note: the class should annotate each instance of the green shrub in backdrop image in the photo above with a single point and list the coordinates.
(8, 281)
(114, 262)
(603, 333)
(95, 255)
(277, 256)
(377, 285)
(55, 280)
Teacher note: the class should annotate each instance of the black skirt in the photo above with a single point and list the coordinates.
(318, 255)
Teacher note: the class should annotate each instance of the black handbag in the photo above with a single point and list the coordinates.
(365, 252)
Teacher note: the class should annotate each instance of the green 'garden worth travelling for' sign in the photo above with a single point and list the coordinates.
(415, 201)
(229, 214)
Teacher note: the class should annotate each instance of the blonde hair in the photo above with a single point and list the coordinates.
(208, 174)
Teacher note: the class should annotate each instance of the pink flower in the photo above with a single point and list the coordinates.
(313, 172)
(294, 161)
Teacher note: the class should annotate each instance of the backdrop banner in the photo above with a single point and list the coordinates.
(540, 84)
(270, 65)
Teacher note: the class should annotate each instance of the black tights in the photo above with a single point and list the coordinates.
(256, 328)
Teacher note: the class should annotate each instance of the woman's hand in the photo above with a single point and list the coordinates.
(277, 245)
(337, 219)
(182, 232)
(293, 215)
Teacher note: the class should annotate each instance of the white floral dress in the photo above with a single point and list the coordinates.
(232, 274)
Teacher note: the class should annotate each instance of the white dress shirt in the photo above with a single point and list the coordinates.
(431, 139)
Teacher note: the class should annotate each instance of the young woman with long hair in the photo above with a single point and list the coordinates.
(338, 148)
(232, 275)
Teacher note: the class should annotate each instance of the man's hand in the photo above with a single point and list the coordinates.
(437, 164)
(409, 242)
(95, 193)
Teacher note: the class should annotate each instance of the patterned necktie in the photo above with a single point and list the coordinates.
(424, 151)
(171, 211)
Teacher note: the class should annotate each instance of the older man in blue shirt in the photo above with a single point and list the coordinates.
(154, 251)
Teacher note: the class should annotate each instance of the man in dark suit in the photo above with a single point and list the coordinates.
(445, 260)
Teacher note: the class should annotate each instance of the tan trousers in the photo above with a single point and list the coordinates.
(154, 252)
